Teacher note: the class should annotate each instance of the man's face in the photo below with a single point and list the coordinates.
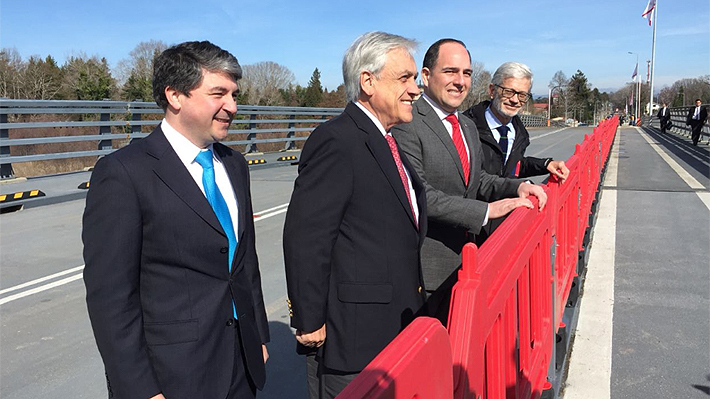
(508, 107)
(698, 103)
(448, 81)
(205, 115)
(393, 92)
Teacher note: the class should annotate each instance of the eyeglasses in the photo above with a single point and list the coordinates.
(523, 96)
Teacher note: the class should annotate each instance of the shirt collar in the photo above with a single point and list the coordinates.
(439, 112)
(372, 117)
(185, 149)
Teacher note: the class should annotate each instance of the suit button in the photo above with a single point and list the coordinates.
(230, 322)
(420, 289)
(223, 250)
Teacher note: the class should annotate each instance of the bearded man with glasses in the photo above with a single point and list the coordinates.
(502, 133)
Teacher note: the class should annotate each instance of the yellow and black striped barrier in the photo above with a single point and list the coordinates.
(256, 161)
(4, 198)
(84, 185)
(288, 158)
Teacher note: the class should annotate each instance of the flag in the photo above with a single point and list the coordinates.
(631, 98)
(636, 71)
(648, 12)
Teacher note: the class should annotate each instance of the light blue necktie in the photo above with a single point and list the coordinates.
(219, 205)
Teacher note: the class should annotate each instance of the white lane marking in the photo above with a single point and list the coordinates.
(548, 133)
(40, 289)
(589, 375)
(276, 306)
(705, 197)
(258, 216)
(687, 178)
(42, 279)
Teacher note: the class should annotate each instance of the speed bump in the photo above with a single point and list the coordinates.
(256, 161)
(288, 158)
(4, 198)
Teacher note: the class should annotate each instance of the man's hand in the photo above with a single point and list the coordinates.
(503, 207)
(158, 396)
(265, 352)
(312, 339)
(525, 189)
(559, 169)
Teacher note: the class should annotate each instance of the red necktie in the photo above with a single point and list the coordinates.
(458, 143)
(402, 174)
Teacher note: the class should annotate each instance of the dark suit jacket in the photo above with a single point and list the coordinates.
(456, 211)
(664, 118)
(697, 122)
(351, 246)
(159, 291)
(493, 157)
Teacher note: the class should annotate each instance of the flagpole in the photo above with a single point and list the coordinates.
(653, 55)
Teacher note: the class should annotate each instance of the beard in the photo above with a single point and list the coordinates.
(497, 104)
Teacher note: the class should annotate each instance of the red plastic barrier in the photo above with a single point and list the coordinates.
(507, 305)
(416, 364)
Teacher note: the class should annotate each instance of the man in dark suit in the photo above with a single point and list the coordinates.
(503, 135)
(445, 151)
(664, 115)
(356, 221)
(172, 277)
(696, 119)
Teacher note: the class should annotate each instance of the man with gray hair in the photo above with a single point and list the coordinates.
(503, 136)
(172, 278)
(356, 221)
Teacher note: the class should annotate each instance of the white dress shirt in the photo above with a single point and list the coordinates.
(187, 152)
(412, 194)
(494, 124)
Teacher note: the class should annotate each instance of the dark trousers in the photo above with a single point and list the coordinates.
(242, 387)
(325, 383)
(696, 127)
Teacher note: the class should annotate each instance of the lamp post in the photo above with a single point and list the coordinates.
(638, 86)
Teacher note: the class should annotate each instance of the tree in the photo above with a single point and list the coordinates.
(11, 70)
(135, 74)
(262, 83)
(314, 91)
(335, 98)
(558, 86)
(579, 94)
(87, 79)
(42, 78)
(480, 79)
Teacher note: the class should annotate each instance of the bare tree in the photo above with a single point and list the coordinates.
(559, 84)
(262, 81)
(11, 73)
(480, 79)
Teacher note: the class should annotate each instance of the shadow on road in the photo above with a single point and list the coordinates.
(285, 370)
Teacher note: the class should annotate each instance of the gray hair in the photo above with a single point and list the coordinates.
(369, 53)
(512, 70)
(180, 67)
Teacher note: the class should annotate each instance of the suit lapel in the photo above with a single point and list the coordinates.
(381, 152)
(431, 119)
(173, 173)
(232, 166)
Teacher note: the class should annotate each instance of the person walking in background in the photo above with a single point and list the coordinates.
(696, 119)
(445, 151)
(173, 287)
(664, 115)
(356, 221)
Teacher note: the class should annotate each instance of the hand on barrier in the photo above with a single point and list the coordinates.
(313, 339)
(503, 207)
(265, 352)
(559, 169)
(525, 189)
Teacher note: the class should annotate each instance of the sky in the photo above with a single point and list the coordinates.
(547, 35)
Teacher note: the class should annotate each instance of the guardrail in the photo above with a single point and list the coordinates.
(101, 127)
(112, 124)
(515, 297)
(678, 118)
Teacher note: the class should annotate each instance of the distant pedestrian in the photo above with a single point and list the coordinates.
(664, 114)
(696, 119)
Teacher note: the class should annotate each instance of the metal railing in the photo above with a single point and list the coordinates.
(116, 123)
(113, 124)
(678, 119)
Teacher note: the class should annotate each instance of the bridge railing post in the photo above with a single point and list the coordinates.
(251, 147)
(290, 144)
(105, 117)
(6, 171)
(135, 116)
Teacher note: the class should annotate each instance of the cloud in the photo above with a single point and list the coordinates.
(685, 31)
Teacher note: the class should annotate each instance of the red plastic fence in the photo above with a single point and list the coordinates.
(509, 300)
(416, 364)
